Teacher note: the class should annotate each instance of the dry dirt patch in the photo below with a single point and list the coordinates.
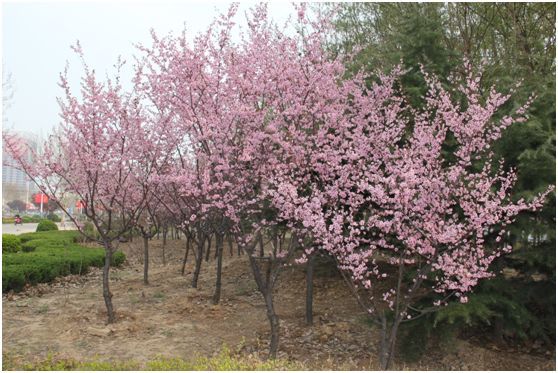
(171, 319)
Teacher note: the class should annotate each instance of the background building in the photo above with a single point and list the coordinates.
(15, 184)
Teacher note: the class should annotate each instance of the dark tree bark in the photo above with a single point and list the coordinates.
(199, 259)
(230, 244)
(107, 295)
(163, 249)
(185, 255)
(208, 248)
(219, 252)
(274, 324)
(145, 259)
(265, 286)
(309, 289)
(261, 244)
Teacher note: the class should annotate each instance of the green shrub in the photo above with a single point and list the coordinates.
(24, 219)
(46, 225)
(53, 217)
(31, 219)
(59, 236)
(118, 259)
(48, 255)
(90, 230)
(10, 243)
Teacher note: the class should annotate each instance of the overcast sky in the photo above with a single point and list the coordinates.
(36, 39)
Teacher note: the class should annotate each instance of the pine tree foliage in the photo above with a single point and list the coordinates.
(513, 41)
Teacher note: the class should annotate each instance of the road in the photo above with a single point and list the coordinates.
(27, 227)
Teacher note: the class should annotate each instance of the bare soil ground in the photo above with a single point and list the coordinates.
(171, 319)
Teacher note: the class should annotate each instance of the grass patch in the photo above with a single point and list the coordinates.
(225, 360)
(159, 295)
(47, 255)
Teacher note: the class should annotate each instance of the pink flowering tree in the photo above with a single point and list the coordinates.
(410, 202)
(155, 138)
(93, 156)
(244, 110)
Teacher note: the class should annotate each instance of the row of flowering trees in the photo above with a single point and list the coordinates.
(268, 139)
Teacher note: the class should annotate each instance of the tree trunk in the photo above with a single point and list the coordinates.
(186, 254)
(107, 295)
(261, 243)
(309, 289)
(229, 238)
(145, 260)
(388, 342)
(164, 247)
(219, 252)
(274, 324)
(208, 248)
(266, 289)
(384, 353)
(199, 259)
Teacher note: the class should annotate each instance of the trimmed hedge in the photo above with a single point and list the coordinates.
(10, 243)
(25, 219)
(53, 217)
(50, 254)
(46, 225)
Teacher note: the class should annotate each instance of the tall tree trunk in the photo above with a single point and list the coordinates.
(107, 295)
(185, 255)
(208, 248)
(309, 289)
(219, 252)
(163, 249)
(261, 244)
(384, 344)
(229, 238)
(266, 289)
(388, 341)
(199, 259)
(274, 324)
(145, 260)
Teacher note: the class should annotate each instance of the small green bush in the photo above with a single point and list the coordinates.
(10, 243)
(90, 230)
(47, 255)
(53, 217)
(46, 225)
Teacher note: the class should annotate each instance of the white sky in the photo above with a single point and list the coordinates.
(36, 39)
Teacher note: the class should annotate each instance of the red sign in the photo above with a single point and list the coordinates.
(40, 196)
(79, 205)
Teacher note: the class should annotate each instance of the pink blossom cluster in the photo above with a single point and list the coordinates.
(272, 130)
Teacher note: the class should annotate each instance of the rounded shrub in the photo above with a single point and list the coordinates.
(53, 217)
(30, 245)
(46, 225)
(10, 243)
